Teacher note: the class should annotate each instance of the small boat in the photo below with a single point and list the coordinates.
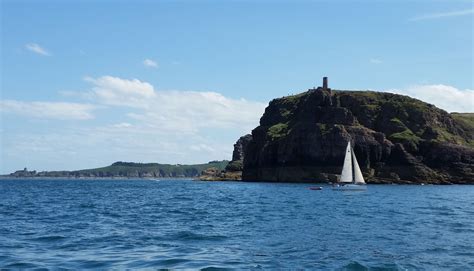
(316, 188)
(351, 176)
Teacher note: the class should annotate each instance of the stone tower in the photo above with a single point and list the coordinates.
(325, 83)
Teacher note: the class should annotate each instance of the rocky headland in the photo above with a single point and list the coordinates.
(397, 139)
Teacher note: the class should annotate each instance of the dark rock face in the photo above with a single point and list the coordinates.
(233, 170)
(395, 139)
(239, 147)
(238, 154)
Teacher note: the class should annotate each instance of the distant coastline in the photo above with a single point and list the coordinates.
(126, 170)
(8, 177)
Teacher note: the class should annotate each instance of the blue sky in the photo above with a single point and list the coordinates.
(87, 83)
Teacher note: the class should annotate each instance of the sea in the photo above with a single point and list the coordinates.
(185, 224)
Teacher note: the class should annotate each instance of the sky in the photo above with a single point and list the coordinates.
(87, 83)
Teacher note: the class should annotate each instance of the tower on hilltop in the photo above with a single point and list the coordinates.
(324, 87)
(325, 83)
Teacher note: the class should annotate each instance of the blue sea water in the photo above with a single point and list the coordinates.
(102, 224)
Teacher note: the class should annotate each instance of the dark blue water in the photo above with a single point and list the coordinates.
(134, 224)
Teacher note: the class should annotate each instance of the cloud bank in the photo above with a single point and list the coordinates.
(176, 110)
(136, 122)
(445, 97)
(49, 110)
(111, 90)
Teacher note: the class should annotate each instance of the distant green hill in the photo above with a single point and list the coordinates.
(130, 170)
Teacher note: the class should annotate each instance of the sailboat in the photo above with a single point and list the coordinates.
(351, 176)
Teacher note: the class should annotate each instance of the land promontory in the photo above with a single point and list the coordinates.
(128, 170)
(397, 139)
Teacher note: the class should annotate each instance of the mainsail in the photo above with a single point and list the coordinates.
(358, 178)
(351, 173)
(346, 175)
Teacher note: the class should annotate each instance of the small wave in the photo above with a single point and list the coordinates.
(20, 265)
(436, 250)
(187, 235)
(354, 266)
(52, 238)
(87, 205)
(213, 268)
(357, 266)
(172, 262)
(88, 264)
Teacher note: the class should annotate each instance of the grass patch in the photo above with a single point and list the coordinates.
(405, 136)
(277, 131)
(324, 128)
(465, 119)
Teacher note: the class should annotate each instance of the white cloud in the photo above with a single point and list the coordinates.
(202, 147)
(446, 97)
(150, 63)
(49, 110)
(174, 110)
(443, 15)
(35, 48)
(122, 125)
(189, 111)
(116, 91)
(375, 61)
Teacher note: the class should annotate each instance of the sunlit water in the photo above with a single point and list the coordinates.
(134, 224)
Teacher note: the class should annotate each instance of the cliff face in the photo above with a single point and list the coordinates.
(233, 171)
(395, 138)
(239, 147)
(238, 155)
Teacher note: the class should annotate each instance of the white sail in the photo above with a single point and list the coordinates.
(346, 175)
(358, 178)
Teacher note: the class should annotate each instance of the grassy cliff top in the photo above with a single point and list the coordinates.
(401, 118)
(465, 119)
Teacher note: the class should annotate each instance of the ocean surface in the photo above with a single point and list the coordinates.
(175, 224)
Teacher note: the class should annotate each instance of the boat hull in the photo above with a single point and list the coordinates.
(350, 187)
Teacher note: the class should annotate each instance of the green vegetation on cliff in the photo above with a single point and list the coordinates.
(466, 121)
(401, 118)
(278, 130)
